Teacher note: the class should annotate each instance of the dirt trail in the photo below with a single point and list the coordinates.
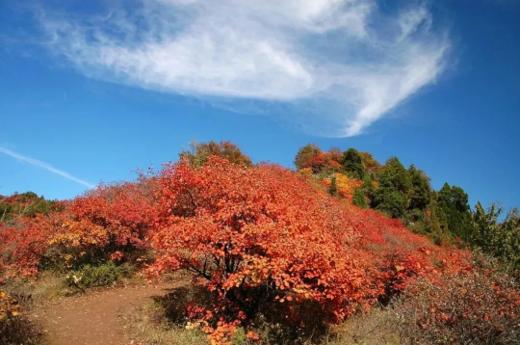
(93, 318)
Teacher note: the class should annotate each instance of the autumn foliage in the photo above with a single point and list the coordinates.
(345, 186)
(265, 236)
(107, 223)
(258, 236)
(259, 240)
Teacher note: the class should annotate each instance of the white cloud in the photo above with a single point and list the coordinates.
(347, 58)
(45, 166)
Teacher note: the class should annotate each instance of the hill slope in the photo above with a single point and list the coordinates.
(262, 243)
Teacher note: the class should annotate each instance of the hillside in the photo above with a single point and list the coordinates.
(444, 215)
(274, 256)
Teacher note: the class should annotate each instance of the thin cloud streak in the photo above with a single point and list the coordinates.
(45, 166)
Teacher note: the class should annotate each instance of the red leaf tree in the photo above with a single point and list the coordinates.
(258, 236)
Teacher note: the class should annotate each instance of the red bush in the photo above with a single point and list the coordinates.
(102, 225)
(263, 234)
(23, 245)
(126, 212)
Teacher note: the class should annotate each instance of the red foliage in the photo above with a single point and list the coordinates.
(263, 234)
(99, 226)
(403, 256)
(23, 245)
(255, 237)
(259, 235)
(316, 160)
(125, 211)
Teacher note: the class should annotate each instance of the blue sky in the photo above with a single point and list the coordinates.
(95, 91)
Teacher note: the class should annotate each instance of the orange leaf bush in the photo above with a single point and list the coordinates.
(126, 211)
(100, 226)
(346, 186)
(264, 238)
(259, 236)
(23, 246)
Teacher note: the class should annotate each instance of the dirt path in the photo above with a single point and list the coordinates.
(93, 318)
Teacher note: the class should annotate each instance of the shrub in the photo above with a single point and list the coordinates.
(333, 188)
(260, 237)
(14, 327)
(25, 205)
(311, 157)
(391, 202)
(110, 223)
(343, 185)
(501, 240)
(265, 243)
(359, 198)
(23, 245)
(352, 162)
(125, 211)
(96, 276)
(480, 307)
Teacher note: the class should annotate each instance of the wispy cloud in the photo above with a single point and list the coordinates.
(343, 63)
(45, 166)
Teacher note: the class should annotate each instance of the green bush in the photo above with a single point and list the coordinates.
(95, 276)
(333, 188)
(359, 198)
(239, 338)
(392, 203)
(500, 239)
(352, 162)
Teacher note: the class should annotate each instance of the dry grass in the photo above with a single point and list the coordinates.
(148, 325)
(378, 327)
(47, 287)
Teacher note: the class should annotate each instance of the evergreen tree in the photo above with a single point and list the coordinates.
(353, 164)
(485, 226)
(510, 240)
(359, 199)
(391, 196)
(420, 193)
(435, 224)
(501, 240)
(454, 210)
